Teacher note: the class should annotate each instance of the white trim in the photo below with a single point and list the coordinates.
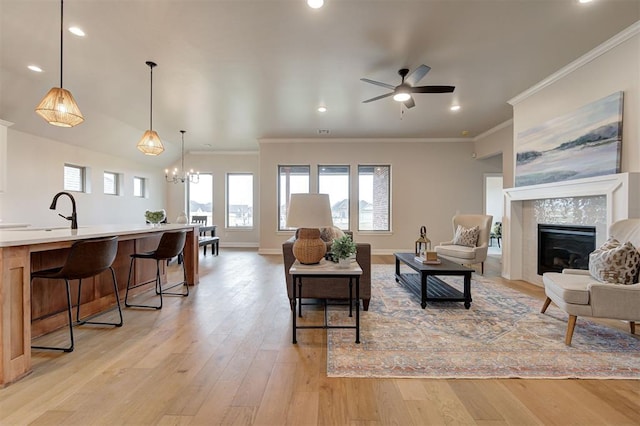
(365, 140)
(621, 37)
(239, 245)
(622, 192)
(224, 152)
(493, 130)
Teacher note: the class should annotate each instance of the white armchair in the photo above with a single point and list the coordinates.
(466, 255)
(579, 294)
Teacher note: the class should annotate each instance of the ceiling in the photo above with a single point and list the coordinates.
(232, 72)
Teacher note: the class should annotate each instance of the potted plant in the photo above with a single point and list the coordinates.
(342, 248)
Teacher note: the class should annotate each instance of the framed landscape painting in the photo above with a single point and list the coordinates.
(584, 143)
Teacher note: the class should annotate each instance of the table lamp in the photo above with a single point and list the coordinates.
(308, 212)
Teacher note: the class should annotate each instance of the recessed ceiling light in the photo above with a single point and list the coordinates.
(76, 31)
(315, 4)
(455, 108)
(35, 68)
(322, 108)
(585, 1)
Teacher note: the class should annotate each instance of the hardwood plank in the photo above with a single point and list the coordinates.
(223, 355)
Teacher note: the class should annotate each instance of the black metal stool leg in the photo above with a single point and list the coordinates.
(115, 289)
(70, 316)
(129, 286)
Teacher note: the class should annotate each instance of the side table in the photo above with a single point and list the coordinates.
(325, 269)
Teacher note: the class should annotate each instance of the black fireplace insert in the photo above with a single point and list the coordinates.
(564, 246)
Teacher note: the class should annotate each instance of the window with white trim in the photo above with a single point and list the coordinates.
(374, 198)
(139, 186)
(334, 180)
(239, 200)
(74, 178)
(291, 180)
(111, 183)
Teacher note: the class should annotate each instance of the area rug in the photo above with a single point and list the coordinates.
(502, 335)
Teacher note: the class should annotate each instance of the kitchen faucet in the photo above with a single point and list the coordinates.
(73, 217)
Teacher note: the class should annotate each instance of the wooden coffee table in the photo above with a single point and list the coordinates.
(428, 286)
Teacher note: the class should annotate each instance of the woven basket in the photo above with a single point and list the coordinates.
(309, 248)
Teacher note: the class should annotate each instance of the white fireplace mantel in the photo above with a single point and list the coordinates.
(622, 198)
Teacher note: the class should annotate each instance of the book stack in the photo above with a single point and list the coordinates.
(428, 258)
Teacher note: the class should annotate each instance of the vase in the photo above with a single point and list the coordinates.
(344, 263)
(182, 218)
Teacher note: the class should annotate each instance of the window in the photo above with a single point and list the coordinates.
(111, 183)
(334, 180)
(200, 196)
(74, 178)
(374, 198)
(239, 200)
(139, 186)
(291, 180)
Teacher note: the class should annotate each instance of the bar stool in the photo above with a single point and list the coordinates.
(87, 258)
(171, 245)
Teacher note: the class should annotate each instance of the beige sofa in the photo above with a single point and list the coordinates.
(577, 293)
(330, 288)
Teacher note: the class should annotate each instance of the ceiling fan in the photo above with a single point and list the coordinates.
(402, 92)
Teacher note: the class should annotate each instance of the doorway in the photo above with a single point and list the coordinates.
(494, 205)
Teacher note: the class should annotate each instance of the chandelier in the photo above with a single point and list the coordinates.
(182, 176)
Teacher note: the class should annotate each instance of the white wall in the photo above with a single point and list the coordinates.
(431, 182)
(34, 171)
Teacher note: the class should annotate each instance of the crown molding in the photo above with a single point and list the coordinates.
(223, 152)
(364, 140)
(493, 130)
(600, 50)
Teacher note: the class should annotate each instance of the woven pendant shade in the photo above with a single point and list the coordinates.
(59, 108)
(150, 143)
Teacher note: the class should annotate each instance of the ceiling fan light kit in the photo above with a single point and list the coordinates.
(150, 144)
(58, 107)
(403, 91)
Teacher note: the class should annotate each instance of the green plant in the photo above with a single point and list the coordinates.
(343, 247)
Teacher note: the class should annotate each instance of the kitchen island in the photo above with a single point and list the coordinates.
(25, 311)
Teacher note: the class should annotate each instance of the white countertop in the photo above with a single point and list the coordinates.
(39, 235)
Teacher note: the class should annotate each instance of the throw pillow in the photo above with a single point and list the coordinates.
(466, 236)
(330, 233)
(615, 263)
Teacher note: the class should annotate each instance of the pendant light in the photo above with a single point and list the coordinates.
(58, 106)
(150, 143)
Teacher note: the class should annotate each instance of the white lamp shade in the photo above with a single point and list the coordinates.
(309, 211)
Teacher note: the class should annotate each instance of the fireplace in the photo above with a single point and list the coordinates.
(564, 246)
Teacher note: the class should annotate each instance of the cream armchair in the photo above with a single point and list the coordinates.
(463, 254)
(577, 293)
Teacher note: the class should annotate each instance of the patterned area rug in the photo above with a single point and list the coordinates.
(502, 335)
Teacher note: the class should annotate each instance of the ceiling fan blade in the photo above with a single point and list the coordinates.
(417, 74)
(377, 83)
(410, 103)
(432, 89)
(377, 97)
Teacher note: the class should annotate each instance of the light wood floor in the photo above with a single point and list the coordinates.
(224, 356)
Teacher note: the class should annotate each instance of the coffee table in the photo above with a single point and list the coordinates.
(428, 286)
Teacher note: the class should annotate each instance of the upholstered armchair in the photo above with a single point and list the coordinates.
(330, 288)
(464, 252)
(578, 293)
